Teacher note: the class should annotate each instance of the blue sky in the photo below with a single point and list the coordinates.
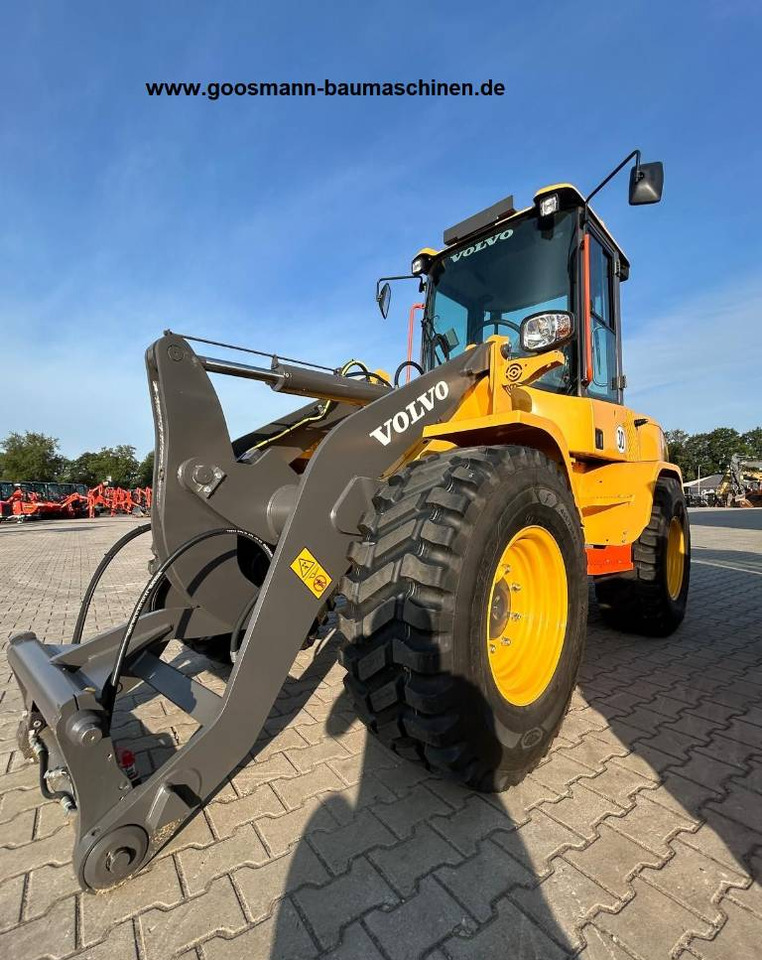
(266, 221)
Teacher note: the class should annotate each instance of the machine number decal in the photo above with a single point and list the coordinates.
(621, 439)
(312, 575)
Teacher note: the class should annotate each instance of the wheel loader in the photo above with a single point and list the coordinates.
(458, 517)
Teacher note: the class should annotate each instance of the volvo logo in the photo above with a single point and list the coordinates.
(481, 245)
(412, 413)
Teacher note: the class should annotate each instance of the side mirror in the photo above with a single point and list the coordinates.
(383, 299)
(646, 183)
(545, 331)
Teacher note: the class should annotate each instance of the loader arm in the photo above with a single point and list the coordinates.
(121, 827)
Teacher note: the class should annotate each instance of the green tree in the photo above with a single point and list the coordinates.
(82, 469)
(752, 439)
(676, 441)
(30, 456)
(145, 471)
(722, 443)
(118, 463)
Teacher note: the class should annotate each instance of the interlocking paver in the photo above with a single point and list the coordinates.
(582, 810)
(226, 816)
(168, 932)
(11, 896)
(647, 805)
(296, 790)
(694, 879)
(420, 804)
(650, 824)
(45, 886)
(280, 833)
(652, 924)
(739, 935)
(426, 918)
(406, 862)
(284, 937)
(262, 887)
(574, 897)
(200, 865)
(330, 907)
(481, 879)
(599, 946)
(52, 935)
(157, 887)
(612, 860)
(356, 944)
(342, 845)
(510, 926)
(538, 841)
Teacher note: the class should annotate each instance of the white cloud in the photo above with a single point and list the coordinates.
(700, 365)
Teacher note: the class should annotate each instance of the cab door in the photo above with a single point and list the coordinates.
(603, 376)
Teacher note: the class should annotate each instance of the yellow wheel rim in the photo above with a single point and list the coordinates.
(675, 557)
(527, 612)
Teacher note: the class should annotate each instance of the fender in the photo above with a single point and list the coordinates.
(614, 499)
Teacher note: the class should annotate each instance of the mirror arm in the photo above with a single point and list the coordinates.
(405, 276)
(614, 172)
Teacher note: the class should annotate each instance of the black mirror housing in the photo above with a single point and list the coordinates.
(646, 183)
(383, 299)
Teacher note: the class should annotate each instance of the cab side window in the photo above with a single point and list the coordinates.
(602, 324)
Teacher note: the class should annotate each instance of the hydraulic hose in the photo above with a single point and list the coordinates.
(235, 636)
(42, 756)
(111, 686)
(99, 571)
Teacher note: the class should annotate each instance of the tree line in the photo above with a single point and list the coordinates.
(711, 452)
(36, 456)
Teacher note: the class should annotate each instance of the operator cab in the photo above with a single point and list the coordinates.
(532, 263)
(546, 277)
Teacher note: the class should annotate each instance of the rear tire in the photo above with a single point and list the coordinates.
(417, 624)
(643, 601)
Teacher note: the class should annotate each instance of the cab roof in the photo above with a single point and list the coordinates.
(467, 230)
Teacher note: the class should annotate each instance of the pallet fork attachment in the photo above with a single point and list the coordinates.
(236, 493)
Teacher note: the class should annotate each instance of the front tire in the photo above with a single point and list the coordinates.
(467, 612)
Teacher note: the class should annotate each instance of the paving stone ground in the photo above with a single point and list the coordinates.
(638, 837)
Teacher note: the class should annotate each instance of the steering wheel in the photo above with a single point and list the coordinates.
(502, 323)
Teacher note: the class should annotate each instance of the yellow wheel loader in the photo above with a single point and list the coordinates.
(459, 517)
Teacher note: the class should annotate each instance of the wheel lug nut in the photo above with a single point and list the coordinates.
(505, 642)
(516, 586)
(492, 648)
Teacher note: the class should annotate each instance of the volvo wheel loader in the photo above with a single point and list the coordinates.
(459, 516)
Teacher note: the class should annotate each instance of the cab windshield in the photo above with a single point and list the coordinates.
(490, 285)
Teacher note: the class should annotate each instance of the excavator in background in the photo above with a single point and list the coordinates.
(741, 486)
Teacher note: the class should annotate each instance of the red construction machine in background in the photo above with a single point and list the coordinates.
(42, 501)
(34, 500)
(115, 500)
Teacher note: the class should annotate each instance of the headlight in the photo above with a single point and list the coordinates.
(549, 205)
(420, 264)
(541, 331)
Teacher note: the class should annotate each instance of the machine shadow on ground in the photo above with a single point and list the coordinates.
(397, 861)
(692, 781)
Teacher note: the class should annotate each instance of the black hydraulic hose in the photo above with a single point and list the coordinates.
(42, 755)
(99, 571)
(235, 636)
(111, 686)
(402, 366)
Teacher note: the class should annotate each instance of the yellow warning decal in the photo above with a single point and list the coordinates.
(309, 571)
